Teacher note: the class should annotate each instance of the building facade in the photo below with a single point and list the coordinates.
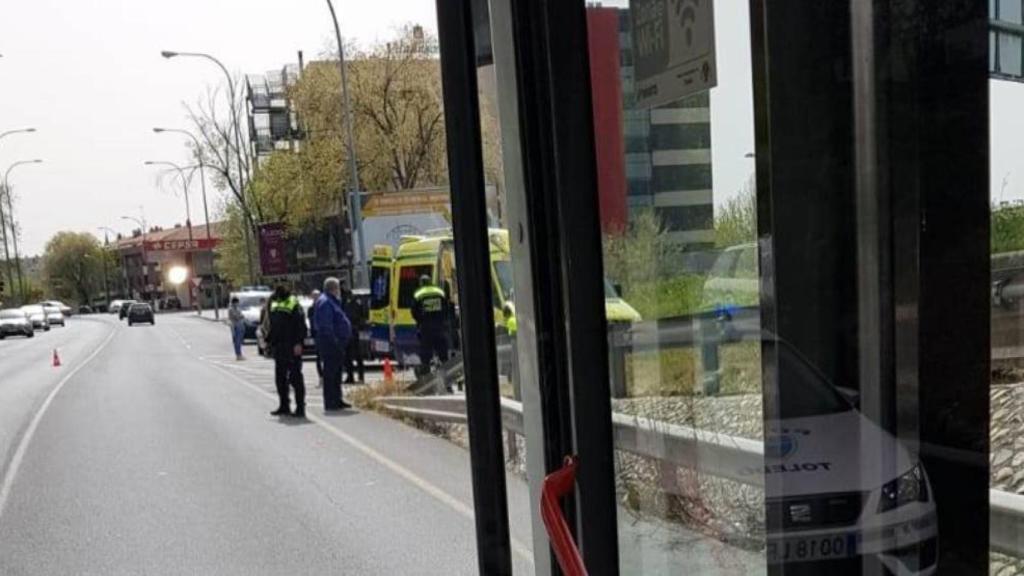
(171, 267)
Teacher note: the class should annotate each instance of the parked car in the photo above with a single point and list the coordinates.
(64, 308)
(83, 309)
(54, 316)
(251, 303)
(126, 305)
(14, 322)
(37, 316)
(115, 306)
(139, 313)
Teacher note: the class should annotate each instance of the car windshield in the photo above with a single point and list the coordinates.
(33, 309)
(140, 308)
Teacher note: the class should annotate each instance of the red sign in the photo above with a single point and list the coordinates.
(182, 245)
(273, 256)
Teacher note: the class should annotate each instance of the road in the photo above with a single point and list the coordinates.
(150, 450)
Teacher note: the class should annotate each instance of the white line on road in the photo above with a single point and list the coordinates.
(416, 480)
(19, 454)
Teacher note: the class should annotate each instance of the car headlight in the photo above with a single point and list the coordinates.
(910, 487)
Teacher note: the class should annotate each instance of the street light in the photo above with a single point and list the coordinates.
(355, 201)
(238, 144)
(145, 265)
(3, 220)
(14, 228)
(202, 169)
(184, 186)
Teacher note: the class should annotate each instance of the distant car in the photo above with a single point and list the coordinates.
(141, 313)
(83, 309)
(126, 305)
(64, 308)
(54, 316)
(171, 303)
(115, 306)
(37, 316)
(14, 322)
(733, 279)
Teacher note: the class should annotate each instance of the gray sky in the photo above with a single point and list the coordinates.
(88, 75)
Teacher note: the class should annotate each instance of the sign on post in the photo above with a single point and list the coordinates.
(673, 49)
(273, 256)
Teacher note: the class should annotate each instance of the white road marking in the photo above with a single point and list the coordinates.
(410, 476)
(19, 453)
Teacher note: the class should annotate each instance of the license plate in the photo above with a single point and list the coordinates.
(827, 547)
(381, 346)
(364, 335)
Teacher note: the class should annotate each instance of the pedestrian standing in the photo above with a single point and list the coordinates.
(315, 295)
(285, 337)
(333, 331)
(236, 319)
(430, 309)
(354, 354)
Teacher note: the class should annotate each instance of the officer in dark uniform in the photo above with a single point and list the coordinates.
(430, 309)
(356, 313)
(287, 332)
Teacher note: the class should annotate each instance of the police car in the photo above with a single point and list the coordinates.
(838, 486)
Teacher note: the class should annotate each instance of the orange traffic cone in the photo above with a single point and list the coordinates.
(388, 373)
(56, 359)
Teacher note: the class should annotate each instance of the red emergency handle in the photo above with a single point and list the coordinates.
(557, 485)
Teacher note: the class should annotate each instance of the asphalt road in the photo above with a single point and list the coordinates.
(151, 451)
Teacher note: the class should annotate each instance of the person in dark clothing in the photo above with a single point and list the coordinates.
(430, 309)
(312, 334)
(287, 332)
(333, 331)
(353, 353)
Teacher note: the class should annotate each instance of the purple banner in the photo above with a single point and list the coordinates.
(273, 257)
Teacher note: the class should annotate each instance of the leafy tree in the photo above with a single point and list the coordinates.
(1007, 228)
(736, 222)
(73, 266)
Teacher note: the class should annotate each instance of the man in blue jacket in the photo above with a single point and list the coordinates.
(333, 331)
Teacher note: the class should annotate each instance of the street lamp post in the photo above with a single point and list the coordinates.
(189, 261)
(202, 170)
(3, 220)
(106, 247)
(238, 147)
(206, 211)
(355, 200)
(184, 187)
(145, 264)
(14, 227)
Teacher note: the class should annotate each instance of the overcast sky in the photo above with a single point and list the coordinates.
(89, 76)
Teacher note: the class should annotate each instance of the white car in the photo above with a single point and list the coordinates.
(64, 308)
(251, 303)
(839, 486)
(37, 316)
(54, 315)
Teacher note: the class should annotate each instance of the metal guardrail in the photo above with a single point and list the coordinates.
(719, 455)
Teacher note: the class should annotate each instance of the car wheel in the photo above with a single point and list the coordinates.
(31, 334)
(47, 329)
(129, 322)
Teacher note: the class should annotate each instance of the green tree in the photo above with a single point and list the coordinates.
(736, 221)
(73, 266)
(1007, 228)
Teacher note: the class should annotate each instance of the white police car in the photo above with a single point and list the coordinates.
(837, 486)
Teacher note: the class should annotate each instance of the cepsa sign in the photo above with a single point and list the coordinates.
(182, 245)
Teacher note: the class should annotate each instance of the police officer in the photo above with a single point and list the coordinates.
(430, 309)
(287, 332)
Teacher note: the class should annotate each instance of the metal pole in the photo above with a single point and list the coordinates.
(7, 250)
(355, 204)
(14, 226)
(238, 151)
(106, 284)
